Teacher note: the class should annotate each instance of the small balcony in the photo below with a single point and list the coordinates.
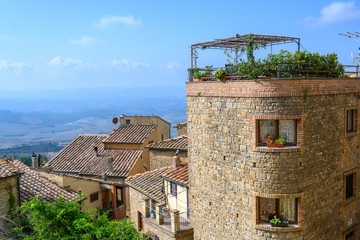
(172, 221)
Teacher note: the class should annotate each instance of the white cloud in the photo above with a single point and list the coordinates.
(85, 41)
(128, 64)
(172, 65)
(333, 13)
(17, 67)
(126, 20)
(66, 62)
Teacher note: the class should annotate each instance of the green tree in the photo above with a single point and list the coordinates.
(65, 220)
(25, 160)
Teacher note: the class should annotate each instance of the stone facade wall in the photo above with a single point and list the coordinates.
(163, 158)
(227, 172)
(181, 129)
(7, 184)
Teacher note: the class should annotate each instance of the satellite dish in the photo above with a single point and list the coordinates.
(115, 120)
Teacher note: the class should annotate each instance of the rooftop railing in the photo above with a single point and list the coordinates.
(278, 70)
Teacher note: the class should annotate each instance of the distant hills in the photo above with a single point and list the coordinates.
(33, 116)
(48, 148)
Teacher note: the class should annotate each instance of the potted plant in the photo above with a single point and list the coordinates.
(276, 222)
(271, 215)
(277, 143)
(281, 140)
(192, 72)
(220, 74)
(197, 76)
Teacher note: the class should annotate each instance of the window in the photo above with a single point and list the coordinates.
(350, 180)
(94, 197)
(351, 235)
(127, 121)
(173, 189)
(351, 116)
(119, 198)
(277, 128)
(284, 208)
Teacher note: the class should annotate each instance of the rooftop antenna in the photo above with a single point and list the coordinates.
(350, 34)
(355, 36)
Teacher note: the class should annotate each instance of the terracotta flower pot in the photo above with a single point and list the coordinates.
(275, 145)
(280, 225)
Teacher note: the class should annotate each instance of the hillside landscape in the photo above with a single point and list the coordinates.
(60, 116)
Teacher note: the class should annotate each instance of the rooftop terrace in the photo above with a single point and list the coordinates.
(282, 65)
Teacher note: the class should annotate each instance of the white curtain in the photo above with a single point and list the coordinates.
(287, 209)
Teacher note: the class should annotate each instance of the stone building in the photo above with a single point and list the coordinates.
(9, 186)
(181, 129)
(162, 152)
(237, 181)
(98, 164)
(159, 202)
(32, 184)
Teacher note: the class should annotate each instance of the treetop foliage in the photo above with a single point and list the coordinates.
(38, 219)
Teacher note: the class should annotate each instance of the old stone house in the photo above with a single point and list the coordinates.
(18, 183)
(162, 152)
(98, 164)
(31, 184)
(9, 186)
(237, 182)
(181, 129)
(159, 202)
(312, 182)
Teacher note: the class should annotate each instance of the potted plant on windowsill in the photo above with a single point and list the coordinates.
(220, 74)
(271, 215)
(276, 222)
(277, 143)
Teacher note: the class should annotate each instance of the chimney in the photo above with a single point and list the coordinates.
(96, 151)
(176, 160)
(35, 162)
(79, 190)
(110, 164)
(103, 176)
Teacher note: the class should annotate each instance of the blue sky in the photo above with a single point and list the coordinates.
(90, 44)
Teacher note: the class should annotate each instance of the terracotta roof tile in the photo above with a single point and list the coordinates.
(76, 156)
(149, 183)
(123, 162)
(79, 158)
(179, 174)
(130, 134)
(180, 143)
(32, 184)
(7, 170)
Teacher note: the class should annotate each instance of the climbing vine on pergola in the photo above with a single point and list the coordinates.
(238, 44)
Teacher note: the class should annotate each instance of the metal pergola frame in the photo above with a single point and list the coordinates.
(239, 42)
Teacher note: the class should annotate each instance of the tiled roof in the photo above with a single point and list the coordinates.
(76, 156)
(149, 183)
(130, 134)
(179, 174)
(171, 144)
(79, 158)
(32, 184)
(123, 162)
(7, 170)
(79, 177)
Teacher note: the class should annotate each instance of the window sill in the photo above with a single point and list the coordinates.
(350, 200)
(282, 149)
(268, 227)
(351, 134)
